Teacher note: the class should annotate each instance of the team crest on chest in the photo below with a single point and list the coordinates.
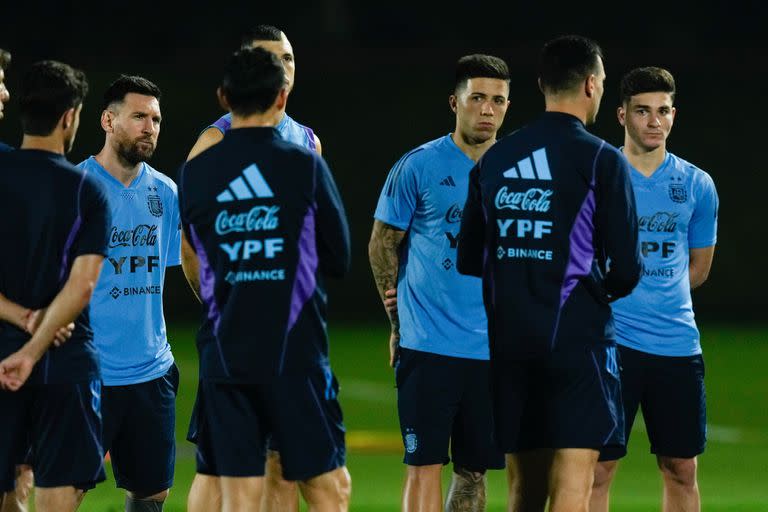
(155, 203)
(677, 191)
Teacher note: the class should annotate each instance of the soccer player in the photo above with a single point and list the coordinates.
(5, 61)
(263, 224)
(279, 494)
(57, 218)
(548, 207)
(662, 369)
(139, 374)
(439, 341)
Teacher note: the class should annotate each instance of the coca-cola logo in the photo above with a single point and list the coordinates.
(143, 235)
(659, 222)
(453, 215)
(259, 218)
(532, 200)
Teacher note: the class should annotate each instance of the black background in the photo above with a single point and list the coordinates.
(373, 81)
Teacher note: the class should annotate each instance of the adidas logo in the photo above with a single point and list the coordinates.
(251, 184)
(448, 182)
(525, 169)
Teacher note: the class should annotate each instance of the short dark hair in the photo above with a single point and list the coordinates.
(480, 66)
(566, 61)
(647, 79)
(5, 59)
(126, 84)
(252, 80)
(260, 33)
(48, 89)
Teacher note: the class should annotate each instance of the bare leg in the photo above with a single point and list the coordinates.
(279, 494)
(467, 492)
(57, 499)
(17, 500)
(423, 490)
(570, 479)
(204, 494)
(601, 487)
(681, 488)
(241, 494)
(527, 476)
(329, 492)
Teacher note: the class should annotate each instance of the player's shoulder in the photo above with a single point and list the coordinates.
(421, 157)
(159, 179)
(693, 172)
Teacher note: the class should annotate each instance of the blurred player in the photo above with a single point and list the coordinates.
(439, 339)
(139, 374)
(662, 370)
(57, 217)
(265, 222)
(548, 207)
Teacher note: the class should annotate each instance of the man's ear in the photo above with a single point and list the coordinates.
(67, 118)
(107, 120)
(282, 99)
(222, 99)
(621, 115)
(589, 85)
(452, 101)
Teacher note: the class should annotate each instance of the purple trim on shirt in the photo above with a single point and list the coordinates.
(581, 242)
(310, 138)
(207, 283)
(72, 233)
(305, 282)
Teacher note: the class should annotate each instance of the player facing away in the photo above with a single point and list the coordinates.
(263, 224)
(548, 206)
(662, 370)
(57, 219)
(139, 374)
(279, 494)
(439, 339)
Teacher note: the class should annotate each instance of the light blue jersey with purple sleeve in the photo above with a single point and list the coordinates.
(288, 129)
(677, 211)
(127, 305)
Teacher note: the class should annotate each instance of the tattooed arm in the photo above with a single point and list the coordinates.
(384, 256)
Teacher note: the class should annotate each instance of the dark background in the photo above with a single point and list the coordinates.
(373, 82)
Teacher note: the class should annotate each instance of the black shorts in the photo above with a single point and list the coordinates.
(670, 391)
(62, 425)
(568, 399)
(300, 412)
(444, 401)
(139, 432)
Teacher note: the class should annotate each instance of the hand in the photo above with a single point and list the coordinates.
(15, 370)
(394, 348)
(390, 302)
(62, 334)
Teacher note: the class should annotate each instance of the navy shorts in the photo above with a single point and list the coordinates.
(139, 432)
(670, 391)
(444, 401)
(60, 425)
(570, 398)
(300, 412)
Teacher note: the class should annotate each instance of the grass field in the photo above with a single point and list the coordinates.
(733, 470)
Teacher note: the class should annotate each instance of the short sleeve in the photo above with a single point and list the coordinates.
(95, 219)
(702, 230)
(399, 197)
(173, 256)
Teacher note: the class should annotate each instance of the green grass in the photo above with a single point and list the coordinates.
(732, 470)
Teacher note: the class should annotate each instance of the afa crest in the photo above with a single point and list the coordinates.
(155, 205)
(678, 193)
(411, 442)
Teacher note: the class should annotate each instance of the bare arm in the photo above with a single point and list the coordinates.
(66, 306)
(699, 265)
(191, 265)
(13, 313)
(318, 146)
(384, 257)
(209, 138)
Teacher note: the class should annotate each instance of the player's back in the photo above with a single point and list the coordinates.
(265, 220)
(45, 201)
(559, 204)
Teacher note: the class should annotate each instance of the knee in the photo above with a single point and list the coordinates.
(418, 475)
(678, 471)
(604, 472)
(332, 487)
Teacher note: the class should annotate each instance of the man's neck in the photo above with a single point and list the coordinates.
(51, 143)
(566, 106)
(646, 162)
(118, 167)
(473, 150)
(270, 118)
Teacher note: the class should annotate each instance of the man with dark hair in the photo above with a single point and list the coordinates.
(438, 343)
(59, 234)
(279, 494)
(548, 207)
(140, 377)
(263, 224)
(662, 369)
